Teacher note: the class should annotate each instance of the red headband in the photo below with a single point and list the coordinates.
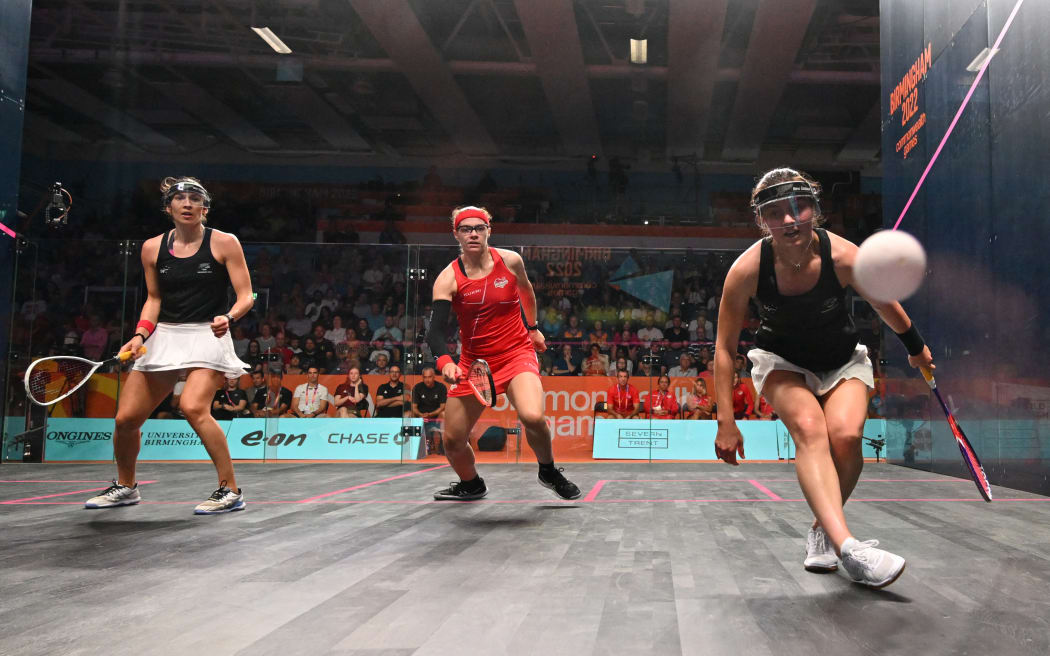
(471, 213)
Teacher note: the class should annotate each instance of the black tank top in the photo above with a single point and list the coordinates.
(812, 330)
(192, 289)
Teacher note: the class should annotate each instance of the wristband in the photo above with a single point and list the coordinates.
(533, 327)
(229, 318)
(148, 325)
(912, 340)
(443, 360)
(144, 337)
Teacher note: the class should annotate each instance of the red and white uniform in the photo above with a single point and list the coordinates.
(490, 325)
(623, 401)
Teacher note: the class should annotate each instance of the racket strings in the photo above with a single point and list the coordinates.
(46, 385)
(479, 378)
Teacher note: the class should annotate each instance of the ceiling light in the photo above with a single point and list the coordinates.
(639, 51)
(980, 59)
(274, 41)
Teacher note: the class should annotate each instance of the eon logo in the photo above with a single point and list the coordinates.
(255, 438)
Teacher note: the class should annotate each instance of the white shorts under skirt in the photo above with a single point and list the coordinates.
(821, 382)
(189, 345)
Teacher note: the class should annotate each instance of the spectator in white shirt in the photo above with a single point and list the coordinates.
(698, 335)
(684, 368)
(336, 334)
(311, 398)
(650, 333)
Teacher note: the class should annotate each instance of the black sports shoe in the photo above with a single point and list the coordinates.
(563, 487)
(463, 491)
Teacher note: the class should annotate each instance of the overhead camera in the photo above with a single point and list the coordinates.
(56, 213)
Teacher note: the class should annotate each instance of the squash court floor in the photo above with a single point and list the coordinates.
(357, 559)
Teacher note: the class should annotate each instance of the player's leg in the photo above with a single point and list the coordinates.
(197, 397)
(461, 413)
(525, 392)
(845, 408)
(139, 397)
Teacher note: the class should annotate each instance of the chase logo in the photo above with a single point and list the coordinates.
(643, 438)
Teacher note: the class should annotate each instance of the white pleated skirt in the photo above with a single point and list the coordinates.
(190, 345)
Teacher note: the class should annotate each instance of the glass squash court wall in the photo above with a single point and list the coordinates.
(981, 213)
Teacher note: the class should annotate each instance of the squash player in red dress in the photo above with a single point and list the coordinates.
(489, 290)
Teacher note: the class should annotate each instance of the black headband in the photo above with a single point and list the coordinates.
(186, 187)
(783, 190)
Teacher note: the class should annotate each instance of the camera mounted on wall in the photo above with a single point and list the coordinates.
(56, 213)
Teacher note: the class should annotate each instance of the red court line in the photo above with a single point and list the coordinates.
(358, 487)
(420, 502)
(594, 491)
(765, 490)
(62, 494)
(53, 481)
(10, 233)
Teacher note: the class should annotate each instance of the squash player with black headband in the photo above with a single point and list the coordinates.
(185, 324)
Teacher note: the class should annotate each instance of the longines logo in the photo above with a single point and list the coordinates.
(643, 438)
(72, 438)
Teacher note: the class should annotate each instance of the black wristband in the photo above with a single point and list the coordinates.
(534, 326)
(912, 340)
(229, 318)
(144, 337)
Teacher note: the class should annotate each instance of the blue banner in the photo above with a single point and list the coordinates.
(671, 439)
(248, 439)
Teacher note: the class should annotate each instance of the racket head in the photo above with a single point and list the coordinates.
(479, 377)
(969, 455)
(49, 380)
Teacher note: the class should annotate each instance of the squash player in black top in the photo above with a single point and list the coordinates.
(184, 324)
(808, 362)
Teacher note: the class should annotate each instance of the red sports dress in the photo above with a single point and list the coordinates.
(490, 325)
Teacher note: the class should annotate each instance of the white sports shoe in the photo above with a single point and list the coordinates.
(820, 555)
(869, 566)
(115, 495)
(222, 500)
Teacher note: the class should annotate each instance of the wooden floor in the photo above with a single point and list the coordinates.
(655, 559)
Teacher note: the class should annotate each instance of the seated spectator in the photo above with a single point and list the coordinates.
(573, 333)
(299, 326)
(677, 337)
(240, 341)
(391, 398)
(621, 363)
(169, 407)
(626, 337)
(700, 404)
(363, 331)
(253, 357)
(257, 391)
(701, 329)
(294, 366)
(229, 402)
(661, 403)
(623, 400)
(266, 339)
(565, 364)
(311, 355)
(552, 321)
(428, 402)
(375, 317)
(281, 348)
(310, 399)
(94, 340)
(764, 411)
(351, 396)
(743, 399)
(596, 363)
(388, 335)
(382, 364)
(741, 363)
(708, 374)
(684, 368)
(313, 308)
(277, 400)
(599, 336)
(650, 334)
(336, 334)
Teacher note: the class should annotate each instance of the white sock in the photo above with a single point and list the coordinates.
(848, 545)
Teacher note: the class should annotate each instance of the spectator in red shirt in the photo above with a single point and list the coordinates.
(661, 403)
(743, 399)
(623, 397)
